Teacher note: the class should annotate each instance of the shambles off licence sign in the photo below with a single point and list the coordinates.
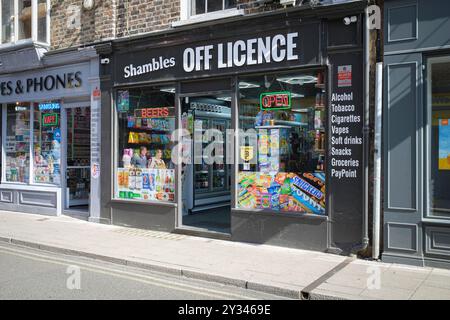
(297, 46)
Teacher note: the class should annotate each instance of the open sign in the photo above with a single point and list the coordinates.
(50, 119)
(275, 100)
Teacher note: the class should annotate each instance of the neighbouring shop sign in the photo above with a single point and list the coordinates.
(49, 106)
(298, 45)
(41, 83)
(45, 84)
(275, 100)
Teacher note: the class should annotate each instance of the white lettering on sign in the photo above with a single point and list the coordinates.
(239, 53)
(154, 65)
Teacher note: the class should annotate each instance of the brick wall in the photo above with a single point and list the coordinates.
(71, 25)
(141, 16)
(119, 18)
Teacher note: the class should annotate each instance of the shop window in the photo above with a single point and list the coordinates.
(282, 143)
(47, 143)
(439, 164)
(21, 17)
(17, 147)
(146, 120)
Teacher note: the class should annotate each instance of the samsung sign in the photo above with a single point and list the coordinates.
(222, 56)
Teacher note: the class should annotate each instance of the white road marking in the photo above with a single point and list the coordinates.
(125, 275)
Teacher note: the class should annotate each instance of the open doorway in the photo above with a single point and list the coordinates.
(78, 164)
(206, 180)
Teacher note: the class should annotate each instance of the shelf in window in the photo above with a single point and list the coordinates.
(272, 127)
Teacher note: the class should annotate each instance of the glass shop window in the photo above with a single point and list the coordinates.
(439, 164)
(47, 143)
(282, 143)
(17, 148)
(146, 120)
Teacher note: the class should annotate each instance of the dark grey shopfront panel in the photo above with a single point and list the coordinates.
(144, 216)
(414, 24)
(403, 154)
(308, 233)
(30, 201)
(413, 29)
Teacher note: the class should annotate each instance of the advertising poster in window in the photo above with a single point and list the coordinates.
(444, 144)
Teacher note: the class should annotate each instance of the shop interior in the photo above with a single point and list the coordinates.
(281, 169)
(206, 191)
(78, 159)
(144, 167)
(440, 137)
(36, 128)
(285, 171)
(281, 163)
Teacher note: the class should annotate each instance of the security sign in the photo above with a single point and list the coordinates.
(247, 153)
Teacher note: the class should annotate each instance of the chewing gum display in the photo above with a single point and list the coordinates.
(282, 191)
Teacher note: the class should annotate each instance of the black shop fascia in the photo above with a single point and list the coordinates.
(290, 89)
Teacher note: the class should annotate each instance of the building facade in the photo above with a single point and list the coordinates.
(416, 110)
(106, 91)
(50, 103)
(291, 92)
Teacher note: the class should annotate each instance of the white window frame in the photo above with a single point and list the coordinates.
(34, 24)
(187, 18)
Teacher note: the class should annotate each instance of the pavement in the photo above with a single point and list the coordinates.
(284, 272)
(33, 274)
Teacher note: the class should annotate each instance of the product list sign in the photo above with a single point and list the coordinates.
(299, 46)
(345, 136)
(345, 152)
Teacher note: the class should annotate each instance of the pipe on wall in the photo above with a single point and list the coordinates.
(377, 162)
(366, 130)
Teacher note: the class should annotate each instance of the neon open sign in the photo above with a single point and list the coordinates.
(275, 100)
(50, 119)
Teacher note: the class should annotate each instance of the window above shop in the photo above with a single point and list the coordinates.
(23, 20)
(195, 11)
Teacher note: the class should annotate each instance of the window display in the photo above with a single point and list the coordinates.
(146, 119)
(440, 139)
(17, 149)
(282, 148)
(47, 143)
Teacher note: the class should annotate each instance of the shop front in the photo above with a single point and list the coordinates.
(417, 133)
(249, 134)
(49, 129)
